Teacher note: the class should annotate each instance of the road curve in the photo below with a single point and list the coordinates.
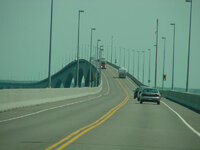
(110, 120)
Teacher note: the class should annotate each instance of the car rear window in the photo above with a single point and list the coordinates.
(151, 90)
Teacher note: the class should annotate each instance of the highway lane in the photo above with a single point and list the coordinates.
(43, 129)
(131, 126)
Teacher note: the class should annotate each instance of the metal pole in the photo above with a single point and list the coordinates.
(107, 52)
(120, 51)
(133, 60)
(156, 55)
(100, 57)
(77, 73)
(50, 41)
(111, 47)
(97, 57)
(92, 29)
(98, 48)
(149, 65)
(143, 65)
(138, 65)
(188, 64)
(115, 55)
(124, 57)
(128, 61)
(173, 56)
(85, 52)
(164, 38)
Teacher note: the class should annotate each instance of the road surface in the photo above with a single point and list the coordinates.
(110, 120)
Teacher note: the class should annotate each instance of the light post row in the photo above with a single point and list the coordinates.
(92, 29)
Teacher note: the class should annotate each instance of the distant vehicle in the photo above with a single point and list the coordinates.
(138, 91)
(149, 95)
(103, 65)
(122, 72)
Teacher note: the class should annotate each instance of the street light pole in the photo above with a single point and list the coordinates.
(128, 60)
(92, 29)
(156, 55)
(138, 64)
(164, 38)
(143, 65)
(188, 64)
(98, 48)
(77, 74)
(124, 57)
(50, 41)
(107, 52)
(173, 24)
(97, 62)
(149, 65)
(120, 57)
(133, 60)
(115, 55)
(111, 48)
(100, 57)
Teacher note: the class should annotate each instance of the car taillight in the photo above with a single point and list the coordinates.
(144, 95)
(156, 95)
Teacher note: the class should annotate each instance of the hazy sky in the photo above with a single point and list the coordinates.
(24, 35)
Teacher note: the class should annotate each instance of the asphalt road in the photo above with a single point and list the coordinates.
(110, 120)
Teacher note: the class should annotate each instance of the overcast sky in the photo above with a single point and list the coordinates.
(24, 35)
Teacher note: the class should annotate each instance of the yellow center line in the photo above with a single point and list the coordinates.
(75, 135)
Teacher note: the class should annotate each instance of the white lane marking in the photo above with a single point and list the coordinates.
(185, 122)
(107, 85)
(31, 114)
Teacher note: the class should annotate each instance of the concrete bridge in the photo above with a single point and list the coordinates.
(66, 77)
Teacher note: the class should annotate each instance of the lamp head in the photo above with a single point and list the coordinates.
(81, 11)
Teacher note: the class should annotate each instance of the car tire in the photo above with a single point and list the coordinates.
(158, 102)
(141, 102)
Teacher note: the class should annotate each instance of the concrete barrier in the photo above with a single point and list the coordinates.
(17, 98)
(189, 100)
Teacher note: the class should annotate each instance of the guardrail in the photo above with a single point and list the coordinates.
(188, 100)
